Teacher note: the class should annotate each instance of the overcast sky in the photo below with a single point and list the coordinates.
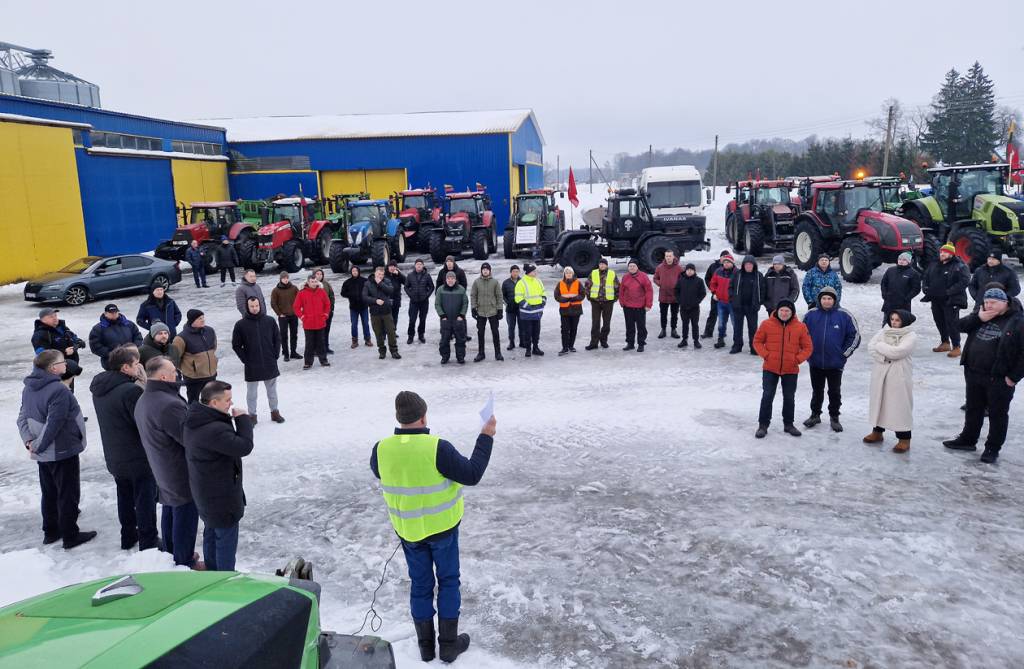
(608, 76)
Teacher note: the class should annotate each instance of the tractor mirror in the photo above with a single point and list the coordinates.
(561, 195)
(728, 189)
(707, 195)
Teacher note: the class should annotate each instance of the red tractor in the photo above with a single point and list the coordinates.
(468, 223)
(762, 214)
(419, 211)
(294, 230)
(207, 223)
(848, 219)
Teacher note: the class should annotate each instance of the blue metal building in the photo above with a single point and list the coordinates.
(384, 153)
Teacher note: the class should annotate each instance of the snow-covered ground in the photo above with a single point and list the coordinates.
(628, 516)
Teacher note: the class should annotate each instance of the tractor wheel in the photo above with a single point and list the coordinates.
(856, 260)
(322, 248)
(436, 246)
(582, 255)
(808, 244)
(652, 252)
(479, 241)
(210, 254)
(292, 257)
(247, 253)
(972, 245)
(398, 248)
(509, 243)
(339, 261)
(492, 240)
(548, 235)
(929, 251)
(734, 232)
(159, 281)
(380, 254)
(753, 238)
(76, 296)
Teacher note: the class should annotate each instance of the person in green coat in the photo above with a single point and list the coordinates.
(451, 304)
(487, 304)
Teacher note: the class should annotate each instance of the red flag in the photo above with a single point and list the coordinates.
(1013, 156)
(573, 193)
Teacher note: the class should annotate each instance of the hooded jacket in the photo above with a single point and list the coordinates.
(780, 286)
(783, 346)
(352, 290)
(58, 338)
(720, 282)
(397, 280)
(815, 280)
(108, 335)
(199, 360)
(312, 306)
(172, 349)
(946, 281)
(165, 311)
(690, 291)
(419, 286)
(244, 291)
(256, 340)
(900, 285)
(665, 278)
(282, 299)
(508, 294)
(460, 276)
(374, 291)
(891, 403)
(834, 336)
(485, 297)
(160, 416)
(451, 302)
(114, 395)
(214, 447)
(736, 287)
(50, 418)
(985, 275)
(226, 255)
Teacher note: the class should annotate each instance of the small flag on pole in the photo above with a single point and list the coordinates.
(574, 197)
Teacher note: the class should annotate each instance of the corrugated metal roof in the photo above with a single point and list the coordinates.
(356, 126)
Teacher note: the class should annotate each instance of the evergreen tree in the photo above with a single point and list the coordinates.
(981, 128)
(942, 139)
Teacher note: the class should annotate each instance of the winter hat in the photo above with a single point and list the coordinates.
(527, 268)
(996, 294)
(632, 261)
(997, 254)
(157, 328)
(192, 315)
(447, 258)
(725, 252)
(485, 265)
(47, 311)
(224, 238)
(904, 315)
(690, 265)
(392, 263)
(419, 261)
(828, 290)
(409, 407)
(451, 275)
(778, 260)
(513, 267)
(603, 261)
(728, 257)
(284, 275)
(786, 303)
(948, 248)
(906, 255)
(825, 256)
(111, 308)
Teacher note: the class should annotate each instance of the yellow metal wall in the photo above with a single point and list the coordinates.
(380, 184)
(41, 221)
(199, 181)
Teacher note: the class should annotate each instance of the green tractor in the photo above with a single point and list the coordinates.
(893, 194)
(969, 208)
(534, 227)
(221, 619)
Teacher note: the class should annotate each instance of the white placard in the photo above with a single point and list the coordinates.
(526, 235)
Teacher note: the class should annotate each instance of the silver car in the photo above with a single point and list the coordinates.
(94, 276)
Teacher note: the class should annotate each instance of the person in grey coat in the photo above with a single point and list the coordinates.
(780, 283)
(53, 430)
(246, 289)
(160, 416)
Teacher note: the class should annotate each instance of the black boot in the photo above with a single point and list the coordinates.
(591, 346)
(661, 335)
(720, 343)
(497, 351)
(675, 333)
(812, 420)
(960, 444)
(537, 351)
(452, 643)
(697, 344)
(411, 338)
(425, 639)
(479, 357)
(683, 344)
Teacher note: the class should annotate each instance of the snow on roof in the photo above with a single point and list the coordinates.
(353, 126)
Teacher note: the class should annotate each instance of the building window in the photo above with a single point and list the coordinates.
(76, 137)
(200, 148)
(113, 140)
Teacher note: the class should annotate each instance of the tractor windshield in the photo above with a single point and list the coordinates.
(769, 196)
(467, 205)
(363, 214)
(891, 196)
(414, 202)
(981, 182)
(288, 212)
(862, 197)
(626, 208)
(220, 217)
(532, 205)
(664, 194)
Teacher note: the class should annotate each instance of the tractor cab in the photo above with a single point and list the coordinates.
(369, 217)
(761, 215)
(955, 188)
(373, 236)
(626, 218)
(464, 211)
(206, 220)
(299, 212)
(553, 196)
(419, 203)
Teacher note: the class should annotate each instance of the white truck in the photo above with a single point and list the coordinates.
(675, 191)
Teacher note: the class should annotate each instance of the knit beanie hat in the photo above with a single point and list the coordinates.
(527, 268)
(825, 256)
(409, 407)
(906, 255)
(157, 328)
(725, 252)
(997, 254)
(778, 260)
(728, 256)
(603, 261)
(996, 294)
(513, 267)
(690, 265)
(191, 315)
(485, 265)
(948, 248)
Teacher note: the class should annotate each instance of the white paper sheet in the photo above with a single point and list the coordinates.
(488, 410)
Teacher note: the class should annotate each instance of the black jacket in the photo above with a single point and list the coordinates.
(226, 255)
(508, 293)
(214, 447)
(166, 311)
(114, 396)
(60, 338)
(735, 287)
(900, 285)
(256, 341)
(397, 281)
(780, 286)
(946, 281)
(374, 291)
(108, 335)
(352, 290)
(160, 417)
(419, 286)
(460, 276)
(690, 291)
(1000, 274)
(1005, 335)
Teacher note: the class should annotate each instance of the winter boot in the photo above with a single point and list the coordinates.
(812, 420)
(367, 342)
(461, 361)
(537, 351)
(79, 539)
(762, 431)
(902, 446)
(444, 361)
(604, 343)
(497, 351)
(960, 444)
(591, 346)
(409, 342)
(640, 348)
(697, 344)
(382, 354)
(480, 357)
(355, 342)
(662, 335)
(276, 416)
(942, 348)
(720, 342)
(511, 346)
(564, 351)
(528, 353)
(873, 438)
(296, 355)
(955, 353)
(423, 340)
(682, 344)
(835, 424)
(255, 418)
(425, 639)
(791, 430)
(735, 349)
(451, 643)
(286, 356)
(628, 347)
(305, 367)
(989, 456)
(675, 333)
(395, 355)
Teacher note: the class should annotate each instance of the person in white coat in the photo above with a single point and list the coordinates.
(892, 380)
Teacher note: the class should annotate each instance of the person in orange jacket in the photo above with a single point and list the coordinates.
(784, 343)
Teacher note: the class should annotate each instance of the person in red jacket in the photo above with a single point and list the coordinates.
(719, 288)
(636, 295)
(784, 343)
(312, 306)
(666, 275)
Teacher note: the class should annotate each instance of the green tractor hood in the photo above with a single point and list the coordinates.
(528, 219)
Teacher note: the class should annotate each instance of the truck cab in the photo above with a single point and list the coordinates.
(675, 191)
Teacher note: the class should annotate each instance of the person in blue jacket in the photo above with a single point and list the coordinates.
(818, 277)
(835, 336)
(196, 257)
(159, 307)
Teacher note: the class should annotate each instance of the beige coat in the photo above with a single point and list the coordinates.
(892, 378)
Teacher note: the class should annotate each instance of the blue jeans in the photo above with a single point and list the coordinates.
(424, 558)
(219, 547)
(360, 314)
(724, 315)
(179, 526)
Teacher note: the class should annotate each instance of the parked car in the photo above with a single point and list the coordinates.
(93, 276)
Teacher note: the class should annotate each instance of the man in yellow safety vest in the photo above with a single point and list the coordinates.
(421, 477)
(602, 289)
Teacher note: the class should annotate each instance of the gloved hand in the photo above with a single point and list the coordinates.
(501, 314)
(444, 318)
(476, 315)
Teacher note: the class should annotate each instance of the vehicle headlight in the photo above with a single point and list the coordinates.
(49, 289)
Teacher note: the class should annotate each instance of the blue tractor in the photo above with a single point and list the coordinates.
(374, 235)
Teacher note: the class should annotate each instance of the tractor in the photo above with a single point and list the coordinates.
(419, 210)
(552, 201)
(467, 223)
(294, 230)
(628, 229)
(893, 193)
(848, 219)
(761, 215)
(337, 206)
(534, 227)
(372, 235)
(223, 619)
(207, 223)
(969, 208)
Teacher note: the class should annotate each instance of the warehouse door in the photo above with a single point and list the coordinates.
(199, 181)
(380, 184)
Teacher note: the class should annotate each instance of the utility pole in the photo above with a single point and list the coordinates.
(888, 141)
(714, 172)
(650, 155)
(558, 171)
(591, 170)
